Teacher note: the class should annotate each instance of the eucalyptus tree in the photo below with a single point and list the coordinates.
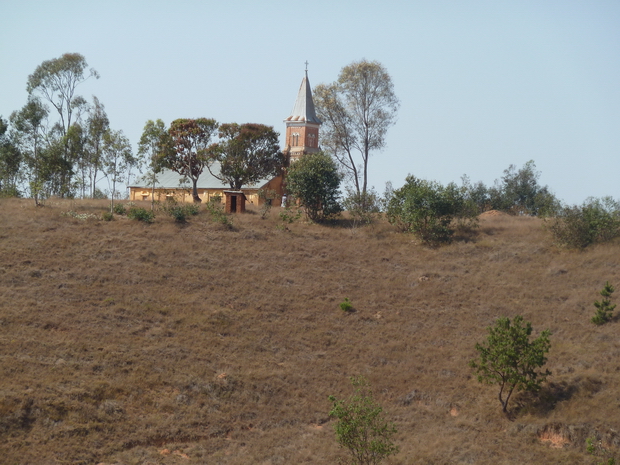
(29, 126)
(357, 111)
(10, 162)
(117, 160)
(55, 81)
(97, 124)
(246, 154)
(189, 139)
(154, 141)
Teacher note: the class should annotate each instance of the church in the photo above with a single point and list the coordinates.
(302, 137)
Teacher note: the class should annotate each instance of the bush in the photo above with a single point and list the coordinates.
(595, 221)
(346, 305)
(218, 215)
(180, 212)
(107, 216)
(314, 181)
(140, 214)
(362, 207)
(510, 360)
(361, 427)
(427, 209)
(119, 209)
(604, 308)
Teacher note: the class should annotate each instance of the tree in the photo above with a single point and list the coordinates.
(594, 221)
(56, 81)
(314, 181)
(604, 308)
(152, 143)
(427, 209)
(520, 192)
(29, 135)
(190, 139)
(246, 154)
(97, 124)
(510, 360)
(361, 427)
(117, 158)
(357, 111)
(10, 162)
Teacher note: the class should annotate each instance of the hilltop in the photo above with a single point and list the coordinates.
(130, 343)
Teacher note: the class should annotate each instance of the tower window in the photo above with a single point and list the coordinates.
(295, 139)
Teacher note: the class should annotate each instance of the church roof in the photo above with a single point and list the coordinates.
(303, 111)
(168, 179)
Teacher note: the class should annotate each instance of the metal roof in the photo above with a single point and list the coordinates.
(303, 111)
(168, 179)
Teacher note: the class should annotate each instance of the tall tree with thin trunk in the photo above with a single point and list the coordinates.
(56, 81)
(97, 124)
(117, 158)
(10, 161)
(190, 139)
(357, 111)
(154, 142)
(29, 127)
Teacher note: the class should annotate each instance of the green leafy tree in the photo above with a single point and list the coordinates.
(428, 209)
(357, 111)
(519, 191)
(154, 141)
(190, 139)
(361, 427)
(314, 181)
(97, 124)
(117, 157)
(56, 81)
(510, 360)
(10, 162)
(246, 153)
(604, 308)
(578, 226)
(29, 126)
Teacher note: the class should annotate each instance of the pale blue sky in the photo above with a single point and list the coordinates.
(482, 84)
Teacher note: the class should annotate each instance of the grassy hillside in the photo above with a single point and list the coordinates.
(127, 343)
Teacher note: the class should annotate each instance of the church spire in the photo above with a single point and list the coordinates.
(303, 110)
(302, 126)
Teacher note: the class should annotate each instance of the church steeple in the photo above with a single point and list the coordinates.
(302, 126)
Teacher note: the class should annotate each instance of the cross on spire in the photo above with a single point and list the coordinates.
(306, 66)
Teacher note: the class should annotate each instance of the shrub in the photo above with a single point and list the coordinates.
(427, 209)
(362, 207)
(596, 220)
(180, 212)
(314, 181)
(510, 360)
(140, 214)
(346, 305)
(107, 216)
(119, 209)
(361, 427)
(604, 308)
(218, 215)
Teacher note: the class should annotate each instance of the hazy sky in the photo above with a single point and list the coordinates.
(482, 84)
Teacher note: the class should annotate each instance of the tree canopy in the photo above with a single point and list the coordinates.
(357, 111)
(246, 153)
(188, 156)
(510, 360)
(314, 181)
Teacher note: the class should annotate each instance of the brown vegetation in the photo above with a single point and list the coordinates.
(130, 343)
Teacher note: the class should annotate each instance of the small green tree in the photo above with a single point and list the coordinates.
(361, 427)
(510, 360)
(427, 209)
(604, 308)
(314, 181)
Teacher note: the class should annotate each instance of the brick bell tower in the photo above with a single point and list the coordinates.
(302, 127)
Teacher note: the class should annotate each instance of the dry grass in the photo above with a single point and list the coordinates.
(163, 344)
